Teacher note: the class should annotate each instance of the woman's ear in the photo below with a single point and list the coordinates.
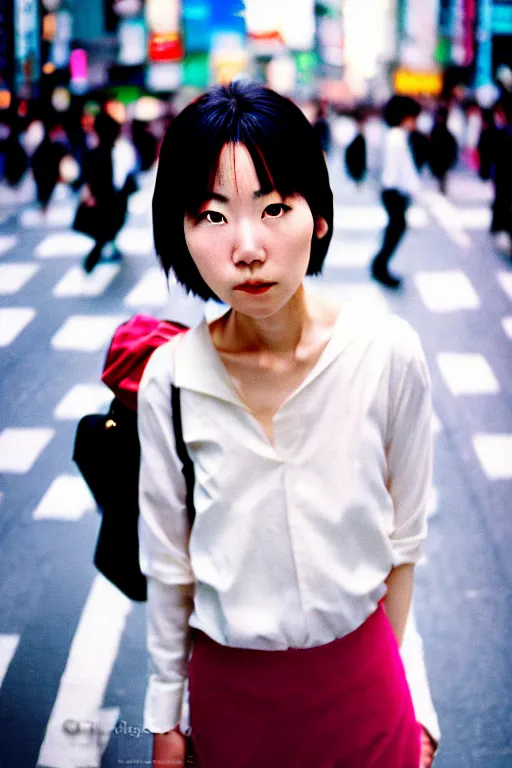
(321, 227)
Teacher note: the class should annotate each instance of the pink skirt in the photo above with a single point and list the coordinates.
(341, 705)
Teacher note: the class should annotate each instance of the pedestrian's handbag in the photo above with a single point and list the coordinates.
(88, 220)
(107, 452)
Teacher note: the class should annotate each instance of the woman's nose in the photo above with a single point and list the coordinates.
(247, 247)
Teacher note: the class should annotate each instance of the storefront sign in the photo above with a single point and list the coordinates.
(502, 19)
(410, 83)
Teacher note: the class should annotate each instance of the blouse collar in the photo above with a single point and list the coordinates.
(198, 366)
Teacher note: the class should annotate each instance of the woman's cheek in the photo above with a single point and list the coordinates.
(208, 257)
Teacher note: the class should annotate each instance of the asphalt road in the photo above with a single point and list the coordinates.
(72, 655)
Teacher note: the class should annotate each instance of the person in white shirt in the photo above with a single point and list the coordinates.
(400, 182)
(309, 429)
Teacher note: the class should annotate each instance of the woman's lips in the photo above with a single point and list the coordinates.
(254, 287)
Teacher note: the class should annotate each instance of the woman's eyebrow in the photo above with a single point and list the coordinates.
(223, 199)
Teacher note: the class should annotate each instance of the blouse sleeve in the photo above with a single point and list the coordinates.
(409, 449)
(163, 548)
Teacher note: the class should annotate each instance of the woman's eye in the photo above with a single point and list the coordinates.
(212, 217)
(276, 209)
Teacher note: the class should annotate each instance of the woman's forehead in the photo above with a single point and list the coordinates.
(235, 168)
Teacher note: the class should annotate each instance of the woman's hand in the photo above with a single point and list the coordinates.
(427, 750)
(169, 749)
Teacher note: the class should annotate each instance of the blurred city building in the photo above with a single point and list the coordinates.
(341, 51)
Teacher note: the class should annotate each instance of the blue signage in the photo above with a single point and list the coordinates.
(502, 19)
(197, 21)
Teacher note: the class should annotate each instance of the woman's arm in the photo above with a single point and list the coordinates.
(163, 548)
(398, 598)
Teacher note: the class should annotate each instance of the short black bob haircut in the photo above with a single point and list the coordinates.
(284, 149)
(399, 108)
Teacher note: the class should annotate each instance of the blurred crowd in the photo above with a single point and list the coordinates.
(100, 148)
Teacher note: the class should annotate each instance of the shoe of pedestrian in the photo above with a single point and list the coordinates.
(113, 256)
(91, 260)
(386, 278)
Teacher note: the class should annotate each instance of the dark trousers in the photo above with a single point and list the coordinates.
(502, 212)
(396, 205)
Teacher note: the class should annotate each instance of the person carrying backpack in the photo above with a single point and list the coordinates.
(308, 426)
(356, 153)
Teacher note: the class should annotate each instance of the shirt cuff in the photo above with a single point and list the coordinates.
(162, 706)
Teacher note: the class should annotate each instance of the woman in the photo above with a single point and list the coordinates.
(308, 426)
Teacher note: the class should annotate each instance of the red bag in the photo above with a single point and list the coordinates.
(132, 345)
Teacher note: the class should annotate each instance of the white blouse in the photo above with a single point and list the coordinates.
(292, 541)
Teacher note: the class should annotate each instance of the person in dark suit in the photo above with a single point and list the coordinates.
(443, 149)
(45, 163)
(104, 204)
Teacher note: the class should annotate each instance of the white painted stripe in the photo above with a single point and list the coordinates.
(8, 646)
(76, 282)
(67, 498)
(86, 733)
(83, 684)
(7, 243)
(86, 333)
(448, 290)
(350, 254)
(14, 276)
(433, 504)
(150, 291)
(357, 218)
(20, 447)
(467, 374)
(140, 202)
(475, 218)
(82, 399)
(56, 216)
(506, 323)
(63, 245)
(494, 452)
(417, 217)
(448, 218)
(505, 280)
(13, 320)
(135, 241)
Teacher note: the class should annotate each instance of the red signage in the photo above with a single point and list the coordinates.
(165, 47)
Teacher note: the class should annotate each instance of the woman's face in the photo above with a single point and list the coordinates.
(252, 249)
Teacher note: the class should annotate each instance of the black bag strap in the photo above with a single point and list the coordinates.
(188, 466)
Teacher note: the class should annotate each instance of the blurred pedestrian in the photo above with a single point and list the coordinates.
(501, 224)
(400, 182)
(322, 128)
(486, 145)
(443, 149)
(109, 178)
(45, 163)
(145, 144)
(16, 162)
(356, 164)
(309, 429)
(419, 144)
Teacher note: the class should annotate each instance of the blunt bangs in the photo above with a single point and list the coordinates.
(283, 147)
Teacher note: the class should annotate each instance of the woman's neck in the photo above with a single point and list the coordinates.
(279, 334)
